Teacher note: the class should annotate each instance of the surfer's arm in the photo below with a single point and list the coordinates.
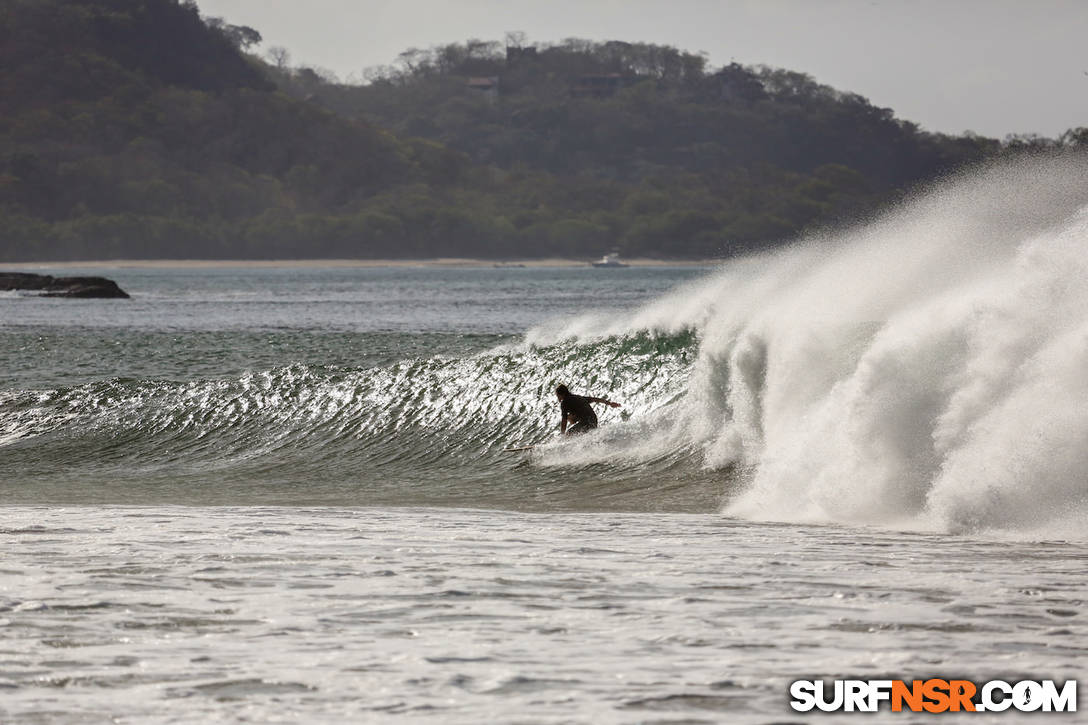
(605, 402)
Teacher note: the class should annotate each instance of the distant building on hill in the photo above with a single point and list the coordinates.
(487, 86)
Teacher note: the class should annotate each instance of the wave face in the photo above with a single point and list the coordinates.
(927, 369)
(426, 430)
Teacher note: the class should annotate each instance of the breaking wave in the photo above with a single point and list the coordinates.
(927, 369)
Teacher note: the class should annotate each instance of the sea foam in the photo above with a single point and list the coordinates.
(928, 368)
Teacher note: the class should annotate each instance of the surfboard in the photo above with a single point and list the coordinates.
(515, 449)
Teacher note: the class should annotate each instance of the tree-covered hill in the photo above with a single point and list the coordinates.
(627, 110)
(136, 128)
(131, 128)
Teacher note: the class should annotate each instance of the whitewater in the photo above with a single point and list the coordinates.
(282, 495)
(928, 369)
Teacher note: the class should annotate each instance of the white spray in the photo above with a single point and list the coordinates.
(930, 368)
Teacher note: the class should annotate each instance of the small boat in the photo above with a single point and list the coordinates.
(610, 260)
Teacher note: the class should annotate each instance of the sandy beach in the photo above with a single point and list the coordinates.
(447, 262)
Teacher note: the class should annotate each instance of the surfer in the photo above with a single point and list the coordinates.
(577, 412)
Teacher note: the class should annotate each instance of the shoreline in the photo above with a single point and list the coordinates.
(436, 262)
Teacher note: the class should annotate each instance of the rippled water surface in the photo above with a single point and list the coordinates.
(459, 616)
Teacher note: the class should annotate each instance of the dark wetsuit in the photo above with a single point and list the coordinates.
(578, 407)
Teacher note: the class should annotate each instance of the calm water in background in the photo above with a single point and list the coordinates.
(326, 526)
(185, 323)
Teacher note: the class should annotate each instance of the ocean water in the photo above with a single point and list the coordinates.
(282, 495)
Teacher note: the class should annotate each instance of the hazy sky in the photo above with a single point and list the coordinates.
(990, 66)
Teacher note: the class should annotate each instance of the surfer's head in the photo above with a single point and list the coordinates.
(561, 391)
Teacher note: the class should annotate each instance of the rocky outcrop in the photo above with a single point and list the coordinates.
(62, 286)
